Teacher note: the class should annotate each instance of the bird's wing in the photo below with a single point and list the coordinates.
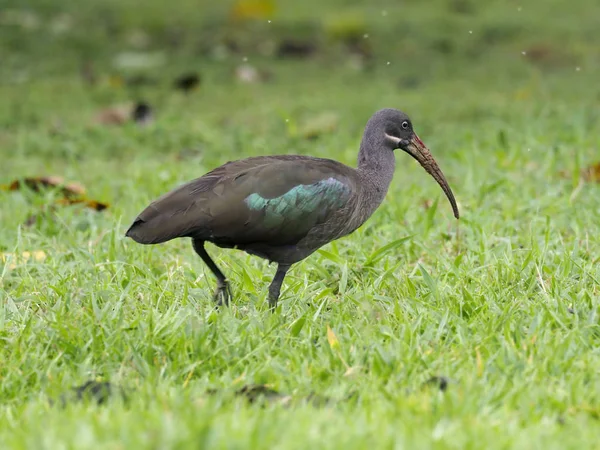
(275, 200)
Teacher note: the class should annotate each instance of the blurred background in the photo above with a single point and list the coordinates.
(306, 51)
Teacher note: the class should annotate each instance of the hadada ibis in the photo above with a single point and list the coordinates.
(283, 208)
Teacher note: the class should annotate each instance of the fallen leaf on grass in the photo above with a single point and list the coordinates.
(115, 115)
(334, 343)
(72, 194)
(589, 174)
(592, 173)
(37, 184)
(139, 112)
(92, 204)
(22, 258)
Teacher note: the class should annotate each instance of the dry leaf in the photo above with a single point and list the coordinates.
(334, 343)
(140, 112)
(93, 204)
(591, 173)
(72, 194)
(15, 260)
(115, 115)
(45, 182)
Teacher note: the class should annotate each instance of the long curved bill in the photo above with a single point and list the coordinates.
(421, 153)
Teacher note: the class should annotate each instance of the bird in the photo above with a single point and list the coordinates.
(282, 208)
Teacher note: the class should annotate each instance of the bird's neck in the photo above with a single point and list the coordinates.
(376, 164)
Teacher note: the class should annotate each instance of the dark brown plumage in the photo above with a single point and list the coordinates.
(283, 208)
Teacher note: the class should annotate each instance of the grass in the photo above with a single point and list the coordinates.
(504, 303)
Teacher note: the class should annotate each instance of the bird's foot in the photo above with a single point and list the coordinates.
(222, 294)
(273, 302)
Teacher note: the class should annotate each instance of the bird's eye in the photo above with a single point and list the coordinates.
(405, 125)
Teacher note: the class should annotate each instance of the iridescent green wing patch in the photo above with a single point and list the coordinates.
(304, 201)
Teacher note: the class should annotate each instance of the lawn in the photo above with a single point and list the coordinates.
(416, 331)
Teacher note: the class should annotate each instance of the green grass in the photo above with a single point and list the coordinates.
(504, 302)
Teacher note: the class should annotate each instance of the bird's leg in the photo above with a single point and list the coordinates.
(223, 294)
(275, 287)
